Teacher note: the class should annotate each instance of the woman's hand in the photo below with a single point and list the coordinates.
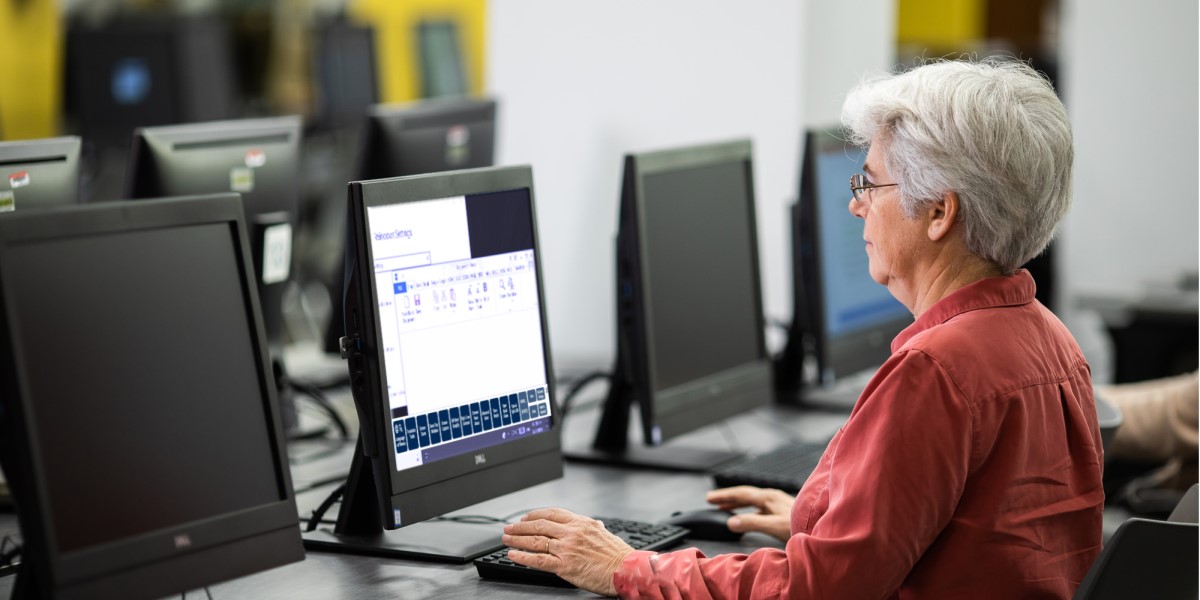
(774, 509)
(576, 548)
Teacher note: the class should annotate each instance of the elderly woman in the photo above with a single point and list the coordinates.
(970, 467)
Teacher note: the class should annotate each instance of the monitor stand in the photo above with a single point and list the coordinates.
(611, 445)
(360, 530)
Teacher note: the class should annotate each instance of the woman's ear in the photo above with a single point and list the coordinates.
(941, 216)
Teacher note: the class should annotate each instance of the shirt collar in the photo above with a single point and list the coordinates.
(991, 292)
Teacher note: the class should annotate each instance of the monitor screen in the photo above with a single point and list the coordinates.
(114, 404)
(449, 350)
(851, 318)
(410, 139)
(258, 158)
(39, 173)
(691, 349)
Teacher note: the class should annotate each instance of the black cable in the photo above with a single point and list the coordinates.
(565, 406)
(318, 397)
(320, 511)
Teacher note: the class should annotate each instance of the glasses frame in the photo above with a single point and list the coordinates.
(859, 186)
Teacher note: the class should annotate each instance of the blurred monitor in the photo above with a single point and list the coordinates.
(344, 72)
(258, 158)
(691, 350)
(135, 472)
(842, 318)
(440, 56)
(428, 136)
(450, 361)
(146, 71)
(39, 173)
(410, 139)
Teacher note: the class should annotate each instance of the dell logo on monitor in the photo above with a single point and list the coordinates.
(182, 540)
(480, 459)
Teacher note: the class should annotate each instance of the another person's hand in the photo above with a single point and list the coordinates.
(576, 548)
(774, 516)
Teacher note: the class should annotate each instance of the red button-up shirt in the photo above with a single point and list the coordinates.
(970, 467)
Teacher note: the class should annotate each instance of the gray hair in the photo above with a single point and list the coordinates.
(992, 131)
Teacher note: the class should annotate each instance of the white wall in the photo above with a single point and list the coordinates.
(1129, 80)
(582, 83)
(843, 41)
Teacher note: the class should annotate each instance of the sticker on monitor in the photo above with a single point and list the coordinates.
(241, 179)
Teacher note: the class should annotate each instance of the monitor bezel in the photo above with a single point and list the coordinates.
(417, 188)
(674, 411)
(851, 352)
(145, 551)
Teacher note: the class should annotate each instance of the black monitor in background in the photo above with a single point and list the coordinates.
(136, 472)
(344, 73)
(690, 342)
(841, 318)
(450, 361)
(258, 158)
(429, 136)
(144, 71)
(39, 173)
(1044, 271)
(410, 139)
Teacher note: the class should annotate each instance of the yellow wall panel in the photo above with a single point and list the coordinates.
(940, 23)
(31, 58)
(395, 41)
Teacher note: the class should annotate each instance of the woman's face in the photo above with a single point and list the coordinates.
(895, 244)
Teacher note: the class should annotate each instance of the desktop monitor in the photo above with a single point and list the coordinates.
(690, 341)
(449, 361)
(344, 71)
(410, 139)
(141, 436)
(440, 52)
(428, 136)
(145, 71)
(39, 173)
(842, 317)
(258, 158)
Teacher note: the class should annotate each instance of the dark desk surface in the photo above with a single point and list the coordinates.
(586, 489)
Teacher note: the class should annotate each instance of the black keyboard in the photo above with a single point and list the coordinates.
(784, 468)
(640, 535)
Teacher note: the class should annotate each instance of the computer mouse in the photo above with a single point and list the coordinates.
(706, 524)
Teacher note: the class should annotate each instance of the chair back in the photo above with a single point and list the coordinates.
(1187, 509)
(1146, 559)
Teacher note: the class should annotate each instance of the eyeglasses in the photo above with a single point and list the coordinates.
(859, 186)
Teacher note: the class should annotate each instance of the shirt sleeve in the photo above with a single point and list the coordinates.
(888, 484)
